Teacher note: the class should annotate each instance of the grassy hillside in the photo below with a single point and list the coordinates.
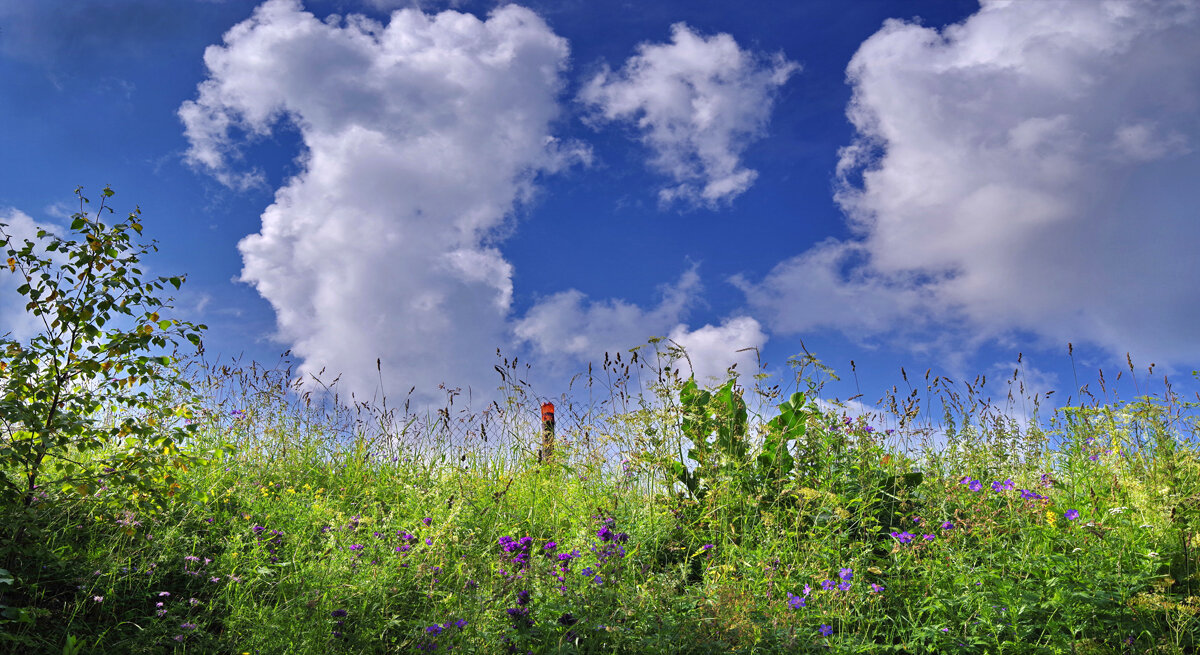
(668, 520)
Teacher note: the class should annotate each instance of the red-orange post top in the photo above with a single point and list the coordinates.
(547, 412)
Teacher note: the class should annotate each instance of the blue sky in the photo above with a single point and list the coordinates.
(929, 185)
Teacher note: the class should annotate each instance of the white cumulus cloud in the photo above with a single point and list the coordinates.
(1030, 169)
(421, 137)
(15, 322)
(713, 349)
(568, 327)
(697, 102)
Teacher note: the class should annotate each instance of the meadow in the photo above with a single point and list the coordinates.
(668, 519)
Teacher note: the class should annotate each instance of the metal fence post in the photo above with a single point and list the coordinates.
(547, 451)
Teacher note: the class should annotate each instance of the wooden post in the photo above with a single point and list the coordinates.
(547, 451)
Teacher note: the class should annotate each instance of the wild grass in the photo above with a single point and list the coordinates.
(363, 527)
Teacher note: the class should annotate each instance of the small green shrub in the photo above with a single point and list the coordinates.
(80, 401)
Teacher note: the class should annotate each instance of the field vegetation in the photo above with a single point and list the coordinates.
(156, 503)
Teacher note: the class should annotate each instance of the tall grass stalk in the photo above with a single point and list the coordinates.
(366, 526)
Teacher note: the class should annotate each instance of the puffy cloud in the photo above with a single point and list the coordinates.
(713, 349)
(566, 327)
(698, 103)
(562, 325)
(1029, 169)
(810, 291)
(420, 139)
(15, 322)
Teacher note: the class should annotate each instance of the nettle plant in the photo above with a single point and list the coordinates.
(716, 424)
(81, 402)
(801, 450)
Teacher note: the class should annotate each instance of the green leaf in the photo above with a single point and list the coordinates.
(95, 276)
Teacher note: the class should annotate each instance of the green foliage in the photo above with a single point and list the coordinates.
(307, 545)
(715, 424)
(80, 400)
(775, 461)
(11, 615)
(798, 532)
